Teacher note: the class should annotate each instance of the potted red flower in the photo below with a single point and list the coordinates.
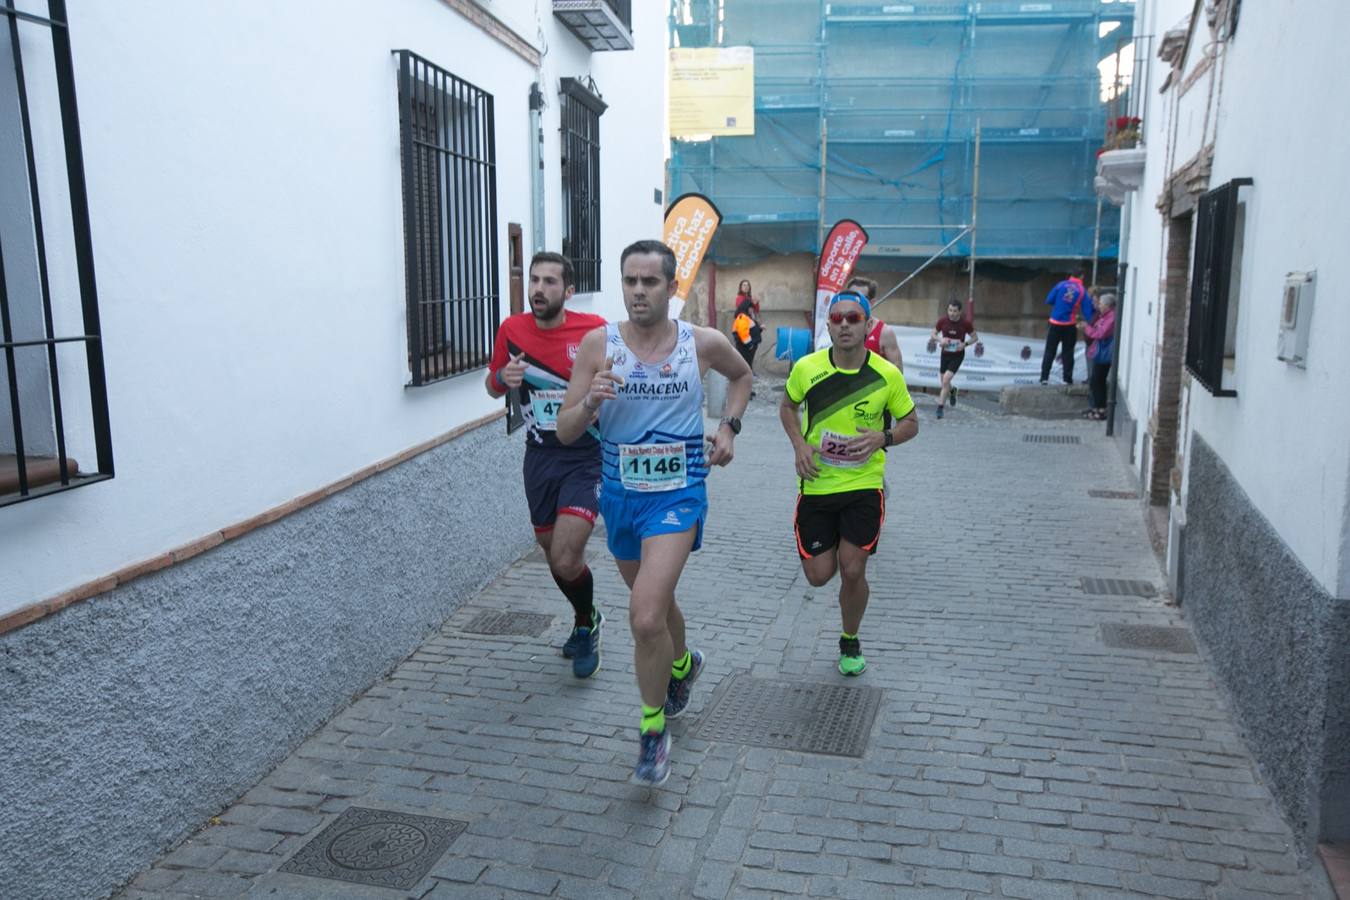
(1124, 132)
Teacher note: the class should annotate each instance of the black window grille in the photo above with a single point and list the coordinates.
(581, 111)
(56, 434)
(1210, 328)
(449, 220)
(623, 11)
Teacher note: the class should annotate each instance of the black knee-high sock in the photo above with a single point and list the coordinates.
(580, 594)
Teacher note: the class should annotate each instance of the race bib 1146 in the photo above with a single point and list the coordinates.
(652, 467)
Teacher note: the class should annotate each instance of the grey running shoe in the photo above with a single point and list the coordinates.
(653, 766)
(677, 692)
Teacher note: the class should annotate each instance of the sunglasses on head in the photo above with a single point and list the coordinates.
(852, 318)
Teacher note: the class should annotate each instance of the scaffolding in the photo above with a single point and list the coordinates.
(870, 111)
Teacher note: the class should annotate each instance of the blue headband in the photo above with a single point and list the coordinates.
(854, 297)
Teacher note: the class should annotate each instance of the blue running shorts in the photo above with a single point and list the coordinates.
(632, 516)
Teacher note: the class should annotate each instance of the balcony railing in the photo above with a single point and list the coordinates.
(599, 24)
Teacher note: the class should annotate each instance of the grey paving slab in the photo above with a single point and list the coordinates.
(1014, 753)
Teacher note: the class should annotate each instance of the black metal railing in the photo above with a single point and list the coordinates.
(623, 11)
(449, 220)
(580, 126)
(36, 450)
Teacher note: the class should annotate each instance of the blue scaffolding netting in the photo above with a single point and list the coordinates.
(895, 92)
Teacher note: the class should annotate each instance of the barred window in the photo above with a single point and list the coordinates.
(1212, 329)
(54, 434)
(449, 220)
(581, 111)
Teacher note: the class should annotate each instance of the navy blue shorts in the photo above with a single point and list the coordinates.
(561, 482)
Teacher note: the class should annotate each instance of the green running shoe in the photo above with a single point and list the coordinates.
(851, 660)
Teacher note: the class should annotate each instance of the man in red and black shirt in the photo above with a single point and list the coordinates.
(533, 355)
(953, 333)
(880, 339)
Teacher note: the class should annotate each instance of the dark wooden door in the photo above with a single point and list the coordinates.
(517, 267)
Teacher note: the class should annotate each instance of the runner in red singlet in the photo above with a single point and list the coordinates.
(880, 339)
(533, 355)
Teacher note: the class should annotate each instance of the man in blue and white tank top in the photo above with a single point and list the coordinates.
(641, 381)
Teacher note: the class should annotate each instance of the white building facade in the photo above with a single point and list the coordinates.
(270, 463)
(1231, 376)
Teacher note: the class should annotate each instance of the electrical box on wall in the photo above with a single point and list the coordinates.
(1295, 317)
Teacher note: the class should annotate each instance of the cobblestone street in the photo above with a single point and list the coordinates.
(1014, 752)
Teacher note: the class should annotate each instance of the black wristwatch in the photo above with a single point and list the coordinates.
(734, 422)
(890, 439)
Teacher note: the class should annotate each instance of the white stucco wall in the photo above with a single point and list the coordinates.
(1136, 356)
(244, 189)
(632, 143)
(1285, 436)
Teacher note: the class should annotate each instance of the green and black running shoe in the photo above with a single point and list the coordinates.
(851, 660)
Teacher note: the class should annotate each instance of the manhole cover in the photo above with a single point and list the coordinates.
(509, 622)
(376, 847)
(1114, 495)
(1052, 439)
(1147, 637)
(1119, 586)
(792, 715)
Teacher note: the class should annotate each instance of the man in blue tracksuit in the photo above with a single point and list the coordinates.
(1066, 300)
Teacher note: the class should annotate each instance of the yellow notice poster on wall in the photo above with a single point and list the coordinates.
(712, 91)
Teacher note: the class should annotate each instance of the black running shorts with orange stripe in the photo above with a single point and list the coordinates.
(823, 519)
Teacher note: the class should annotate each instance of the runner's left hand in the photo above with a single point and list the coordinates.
(720, 450)
(513, 373)
(866, 443)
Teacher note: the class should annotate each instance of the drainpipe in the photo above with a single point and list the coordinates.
(1120, 319)
(1097, 242)
(537, 235)
(712, 294)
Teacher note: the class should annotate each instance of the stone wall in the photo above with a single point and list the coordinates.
(1278, 643)
(131, 719)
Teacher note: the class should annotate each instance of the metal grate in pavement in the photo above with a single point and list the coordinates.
(1121, 587)
(830, 719)
(376, 847)
(1147, 637)
(1052, 439)
(1114, 495)
(509, 622)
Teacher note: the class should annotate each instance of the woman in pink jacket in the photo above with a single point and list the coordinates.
(1102, 332)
